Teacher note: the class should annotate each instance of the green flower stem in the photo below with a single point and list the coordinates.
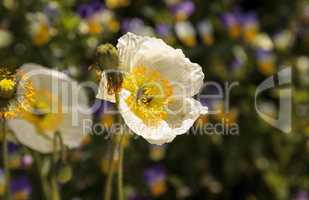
(120, 168)
(110, 176)
(44, 182)
(6, 161)
(54, 186)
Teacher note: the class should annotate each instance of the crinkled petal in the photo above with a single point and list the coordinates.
(185, 76)
(182, 113)
(155, 135)
(103, 88)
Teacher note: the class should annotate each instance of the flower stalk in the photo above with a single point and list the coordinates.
(6, 161)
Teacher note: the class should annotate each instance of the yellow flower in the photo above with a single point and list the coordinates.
(54, 109)
(155, 99)
(16, 93)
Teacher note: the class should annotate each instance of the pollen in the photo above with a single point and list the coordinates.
(45, 113)
(150, 93)
(7, 84)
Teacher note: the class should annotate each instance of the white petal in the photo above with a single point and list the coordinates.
(134, 51)
(154, 135)
(73, 99)
(72, 125)
(102, 90)
(27, 134)
(183, 113)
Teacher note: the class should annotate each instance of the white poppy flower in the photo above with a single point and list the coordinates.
(155, 100)
(55, 109)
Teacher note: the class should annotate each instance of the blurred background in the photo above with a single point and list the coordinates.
(242, 41)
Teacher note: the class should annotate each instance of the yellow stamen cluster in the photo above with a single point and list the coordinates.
(150, 93)
(7, 84)
(16, 93)
(46, 112)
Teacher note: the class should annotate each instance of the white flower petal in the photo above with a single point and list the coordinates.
(154, 135)
(27, 134)
(73, 101)
(72, 125)
(183, 113)
(102, 90)
(134, 51)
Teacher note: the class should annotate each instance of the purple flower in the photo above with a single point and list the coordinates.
(248, 18)
(131, 25)
(163, 30)
(237, 62)
(229, 19)
(302, 195)
(262, 54)
(186, 7)
(87, 10)
(154, 174)
(21, 184)
(12, 147)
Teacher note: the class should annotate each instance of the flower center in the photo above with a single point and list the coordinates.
(45, 112)
(150, 93)
(7, 88)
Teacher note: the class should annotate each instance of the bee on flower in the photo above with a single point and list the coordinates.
(155, 95)
(53, 112)
(41, 30)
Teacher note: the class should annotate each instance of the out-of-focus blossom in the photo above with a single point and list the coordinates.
(205, 30)
(165, 31)
(137, 26)
(21, 189)
(240, 57)
(15, 159)
(250, 26)
(183, 10)
(51, 10)
(27, 160)
(97, 19)
(41, 29)
(155, 177)
(186, 33)
(157, 152)
(302, 65)
(232, 23)
(302, 195)
(5, 38)
(49, 116)
(263, 41)
(284, 40)
(112, 4)
(265, 61)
